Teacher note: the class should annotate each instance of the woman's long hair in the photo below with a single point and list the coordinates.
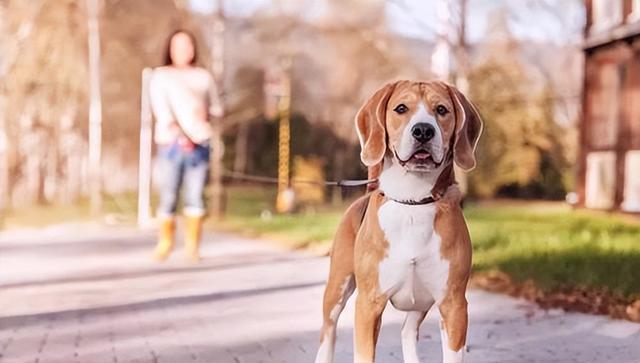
(167, 51)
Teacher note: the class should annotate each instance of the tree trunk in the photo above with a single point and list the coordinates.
(241, 145)
(95, 107)
(5, 194)
(336, 195)
(217, 67)
(51, 179)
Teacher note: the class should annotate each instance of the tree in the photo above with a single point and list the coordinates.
(42, 89)
(521, 147)
(12, 38)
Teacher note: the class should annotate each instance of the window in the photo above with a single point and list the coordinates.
(632, 101)
(606, 14)
(631, 201)
(635, 11)
(600, 185)
(604, 103)
(634, 118)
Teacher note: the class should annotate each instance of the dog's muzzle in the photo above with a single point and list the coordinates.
(421, 156)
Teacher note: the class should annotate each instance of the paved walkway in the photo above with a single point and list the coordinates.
(76, 294)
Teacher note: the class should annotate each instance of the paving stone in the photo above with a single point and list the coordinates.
(93, 295)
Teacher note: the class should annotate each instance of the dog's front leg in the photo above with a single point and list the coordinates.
(453, 327)
(410, 330)
(369, 309)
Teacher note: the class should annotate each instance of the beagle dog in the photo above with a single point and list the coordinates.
(407, 241)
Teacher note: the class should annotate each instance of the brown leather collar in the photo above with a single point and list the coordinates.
(423, 201)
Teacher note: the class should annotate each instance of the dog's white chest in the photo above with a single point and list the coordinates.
(413, 273)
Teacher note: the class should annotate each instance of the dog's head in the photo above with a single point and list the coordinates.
(422, 125)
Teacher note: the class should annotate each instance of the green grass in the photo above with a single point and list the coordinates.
(549, 243)
(122, 207)
(557, 247)
(244, 214)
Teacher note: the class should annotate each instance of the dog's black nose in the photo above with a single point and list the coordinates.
(423, 132)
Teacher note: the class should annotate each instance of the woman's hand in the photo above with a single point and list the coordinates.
(186, 144)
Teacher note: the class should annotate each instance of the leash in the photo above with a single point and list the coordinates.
(345, 183)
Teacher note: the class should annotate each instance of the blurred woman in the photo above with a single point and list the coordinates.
(183, 98)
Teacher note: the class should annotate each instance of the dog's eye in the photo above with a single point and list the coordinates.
(401, 108)
(441, 110)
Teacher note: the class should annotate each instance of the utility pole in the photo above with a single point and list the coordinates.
(95, 107)
(285, 197)
(441, 57)
(462, 80)
(217, 69)
(462, 51)
(146, 145)
(4, 147)
(277, 92)
(4, 163)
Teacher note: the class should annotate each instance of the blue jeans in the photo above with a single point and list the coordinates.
(188, 170)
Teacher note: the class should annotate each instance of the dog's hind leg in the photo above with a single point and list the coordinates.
(334, 303)
(341, 282)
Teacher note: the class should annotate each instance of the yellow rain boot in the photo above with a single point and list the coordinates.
(193, 233)
(166, 239)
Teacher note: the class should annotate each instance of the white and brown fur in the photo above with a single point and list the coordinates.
(412, 255)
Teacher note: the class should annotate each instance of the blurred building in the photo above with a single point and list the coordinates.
(609, 158)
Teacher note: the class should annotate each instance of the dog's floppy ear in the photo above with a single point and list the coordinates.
(468, 130)
(371, 128)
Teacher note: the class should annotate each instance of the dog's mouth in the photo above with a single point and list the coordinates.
(422, 157)
(421, 160)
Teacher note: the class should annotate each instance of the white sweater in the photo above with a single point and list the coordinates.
(186, 96)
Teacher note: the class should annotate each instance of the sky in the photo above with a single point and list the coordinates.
(556, 21)
(527, 19)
